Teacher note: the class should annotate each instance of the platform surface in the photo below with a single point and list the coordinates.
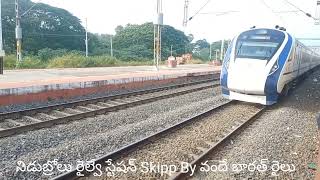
(27, 78)
(28, 86)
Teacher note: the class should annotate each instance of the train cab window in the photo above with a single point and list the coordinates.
(258, 50)
(259, 44)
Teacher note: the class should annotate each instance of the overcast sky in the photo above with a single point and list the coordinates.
(104, 15)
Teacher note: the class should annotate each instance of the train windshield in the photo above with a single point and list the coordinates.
(259, 44)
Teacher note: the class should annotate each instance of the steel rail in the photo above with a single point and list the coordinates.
(201, 157)
(103, 110)
(149, 139)
(32, 111)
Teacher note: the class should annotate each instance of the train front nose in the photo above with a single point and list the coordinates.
(247, 76)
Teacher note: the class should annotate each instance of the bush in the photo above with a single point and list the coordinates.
(135, 53)
(102, 61)
(10, 61)
(141, 62)
(46, 54)
(73, 59)
(31, 62)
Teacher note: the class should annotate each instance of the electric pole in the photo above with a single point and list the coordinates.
(186, 13)
(157, 34)
(18, 32)
(111, 46)
(2, 54)
(18, 29)
(171, 50)
(86, 41)
(222, 50)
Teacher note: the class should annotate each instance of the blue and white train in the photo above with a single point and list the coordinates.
(261, 64)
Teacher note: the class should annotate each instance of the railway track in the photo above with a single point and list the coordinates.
(27, 120)
(188, 141)
(214, 146)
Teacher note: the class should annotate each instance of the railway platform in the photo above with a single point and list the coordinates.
(24, 86)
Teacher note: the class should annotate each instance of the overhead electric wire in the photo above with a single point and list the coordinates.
(199, 10)
(272, 11)
(220, 13)
(286, 11)
(31, 8)
(307, 14)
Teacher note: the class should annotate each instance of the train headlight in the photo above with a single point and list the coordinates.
(274, 68)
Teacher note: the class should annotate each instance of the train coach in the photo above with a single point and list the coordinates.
(261, 64)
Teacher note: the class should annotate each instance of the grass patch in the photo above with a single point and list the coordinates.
(70, 60)
(76, 60)
(10, 62)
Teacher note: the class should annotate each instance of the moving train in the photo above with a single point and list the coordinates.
(261, 64)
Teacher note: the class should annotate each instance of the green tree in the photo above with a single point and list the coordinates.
(136, 41)
(200, 44)
(216, 46)
(46, 54)
(99, 44)
(43, 27)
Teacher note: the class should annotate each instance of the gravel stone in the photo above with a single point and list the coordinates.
(94, 137)
(91, 107)
(182, 145)
(286, 133)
